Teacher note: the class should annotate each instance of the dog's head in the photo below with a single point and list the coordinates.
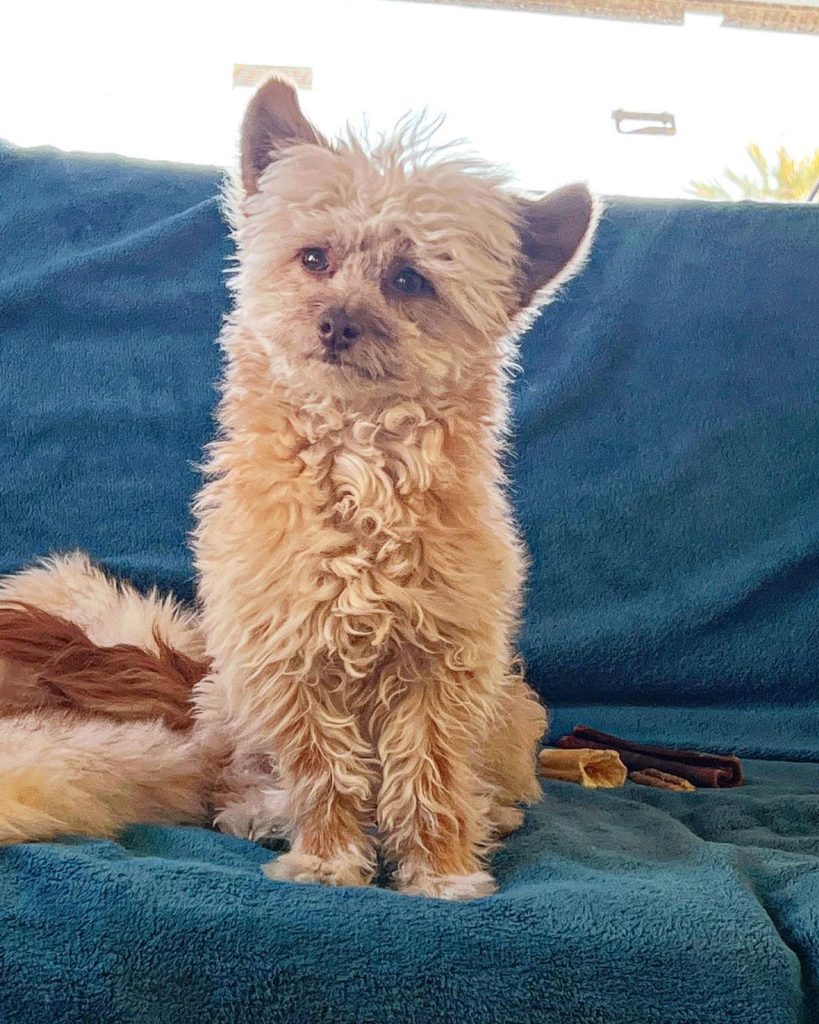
(386, 269)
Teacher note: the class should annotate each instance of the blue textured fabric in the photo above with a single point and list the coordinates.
(666, 471)
(627, 906)
(667, 477)
(111, 297)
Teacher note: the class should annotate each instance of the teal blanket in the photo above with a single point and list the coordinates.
(666, 472)
(616, 907)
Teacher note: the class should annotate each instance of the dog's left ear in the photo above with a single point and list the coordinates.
(272, 122)
(554, 232)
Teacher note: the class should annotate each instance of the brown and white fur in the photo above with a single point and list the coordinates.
(360, 574)
(95, 702)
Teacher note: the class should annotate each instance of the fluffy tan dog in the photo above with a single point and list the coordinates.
(360, 573)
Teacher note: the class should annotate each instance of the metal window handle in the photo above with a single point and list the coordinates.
(652, 124)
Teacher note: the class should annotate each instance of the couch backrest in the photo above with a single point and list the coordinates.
(666, 467)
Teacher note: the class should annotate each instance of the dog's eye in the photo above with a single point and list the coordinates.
(410, 282)
(315, 260)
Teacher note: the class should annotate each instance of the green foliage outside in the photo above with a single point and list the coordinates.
(787, 178)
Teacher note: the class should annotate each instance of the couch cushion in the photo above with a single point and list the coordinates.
(617, 906)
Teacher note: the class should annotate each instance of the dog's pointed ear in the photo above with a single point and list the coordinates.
(554, 236)
(273, 120)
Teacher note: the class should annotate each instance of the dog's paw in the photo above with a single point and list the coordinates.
(304, 867)
(449, 887)
(257, 816)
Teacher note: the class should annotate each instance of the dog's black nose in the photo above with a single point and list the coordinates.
(337, 329)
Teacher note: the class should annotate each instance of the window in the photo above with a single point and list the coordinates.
(536, 89)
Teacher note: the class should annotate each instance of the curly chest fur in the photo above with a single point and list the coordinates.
(333, 547)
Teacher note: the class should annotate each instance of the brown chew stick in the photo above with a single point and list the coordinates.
(710, 771)
(661, 780)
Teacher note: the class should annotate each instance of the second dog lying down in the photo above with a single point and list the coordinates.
(359, 571)
(96, 728)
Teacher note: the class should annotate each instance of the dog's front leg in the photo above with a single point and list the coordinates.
(326, 769)
(432, 815)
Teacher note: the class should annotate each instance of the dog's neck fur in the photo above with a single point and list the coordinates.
(466, 427)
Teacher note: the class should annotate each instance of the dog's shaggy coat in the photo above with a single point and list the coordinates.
(360, 574)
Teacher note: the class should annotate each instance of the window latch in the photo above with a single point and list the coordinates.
(633, 122)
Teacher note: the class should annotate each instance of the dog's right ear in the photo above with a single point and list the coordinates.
(273, 120)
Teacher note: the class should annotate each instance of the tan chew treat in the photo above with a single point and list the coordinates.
(661, 780)
(595, 769)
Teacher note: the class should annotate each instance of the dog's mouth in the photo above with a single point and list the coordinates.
(338, 360)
